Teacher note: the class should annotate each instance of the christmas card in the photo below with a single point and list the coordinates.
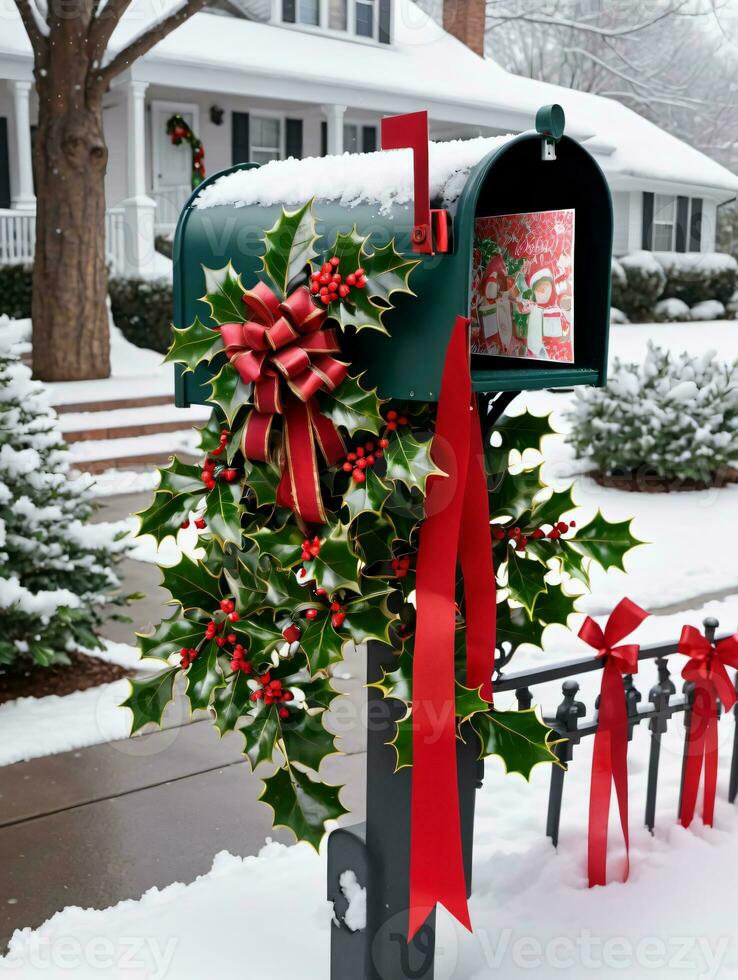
(523, 286)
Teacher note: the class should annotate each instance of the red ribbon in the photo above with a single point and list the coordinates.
(457, 525)
(706, 670)
(288, 357)
(610, 754)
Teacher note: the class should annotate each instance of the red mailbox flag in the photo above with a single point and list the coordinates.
(457, 526)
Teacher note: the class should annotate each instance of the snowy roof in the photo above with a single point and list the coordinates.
(425, 67)
(385, 177)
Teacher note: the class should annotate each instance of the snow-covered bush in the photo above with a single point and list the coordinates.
(671, 310)
(645, 281)
(142, 309)
(16, 283)
(56, 569)
(619, 284)
(675, 415)
(710, 309)
(617, 316)
(731, 308)
(698, 276)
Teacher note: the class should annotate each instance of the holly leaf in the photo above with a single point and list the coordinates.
(321, 643)
(353, 407)
(512, 498)
(210, 433)
(204, 676)
(337, 566)
(149, 697)
(246, 584)
(410, 461)
(468, 703)
(260, 735)
(178, 477)
(284, 591)
(605, 542)
(402, 742)
(525, 580)
(229, 392)
(521, 432)
(263, 636)
(368, 617)
(306, 740)
(302, 805)
(550, 511)
(519, 738)
(192, 585)
(373, 537)
(318, 692)
(366, 498)
(263, 479)
(224, 294)
(284, 544)
(223, 512)
(231, 702)
(555, 606)
(573, 563)
(514, 626)
(194, 344)
(397, 683)
(169, 637)
(289, 246)
(165, 515)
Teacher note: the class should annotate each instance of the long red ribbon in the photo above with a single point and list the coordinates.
(457, 525)
(610, 754)
(707, 671)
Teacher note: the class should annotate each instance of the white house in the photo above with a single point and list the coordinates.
(264, 79)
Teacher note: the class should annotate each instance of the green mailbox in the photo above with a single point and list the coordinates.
(538, 172)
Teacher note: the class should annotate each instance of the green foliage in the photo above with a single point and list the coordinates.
(266, 615)
(16, 286)
(142, 311)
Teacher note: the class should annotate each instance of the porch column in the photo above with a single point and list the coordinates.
(136, 99)
(23, 199)
(334, 118)
(138, 208)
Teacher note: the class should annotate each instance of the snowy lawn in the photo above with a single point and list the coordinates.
(531, 908)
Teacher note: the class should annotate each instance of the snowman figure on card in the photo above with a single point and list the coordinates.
(524, 284)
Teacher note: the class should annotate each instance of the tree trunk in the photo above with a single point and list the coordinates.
(70, 320)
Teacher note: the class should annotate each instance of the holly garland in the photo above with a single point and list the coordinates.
(262, 618)
(179, 130)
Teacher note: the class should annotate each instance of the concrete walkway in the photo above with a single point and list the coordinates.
(97, 825)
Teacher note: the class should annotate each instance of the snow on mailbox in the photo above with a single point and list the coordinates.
(513, 232)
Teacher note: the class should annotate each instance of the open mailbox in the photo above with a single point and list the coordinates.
(536, 286)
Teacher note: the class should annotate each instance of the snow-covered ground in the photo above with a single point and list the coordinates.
(531, 909)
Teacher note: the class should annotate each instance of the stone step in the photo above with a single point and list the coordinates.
(112, 404)
(98, 455)
(121, 423)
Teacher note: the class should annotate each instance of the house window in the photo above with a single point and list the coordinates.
(350, 138)
(266, 139)
(664, 223)
(308, 12)
(365, 18)
(337, 15)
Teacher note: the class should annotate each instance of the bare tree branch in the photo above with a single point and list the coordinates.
(102, 27)
(35, 35)
(581, 25)
(145, 41)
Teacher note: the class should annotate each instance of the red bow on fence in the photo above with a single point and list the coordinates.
(706, 670)
(288, 357)
(456, 528)
(610, 755)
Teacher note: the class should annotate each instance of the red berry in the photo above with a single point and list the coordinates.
(360, 271)
(335, 607)
(554, 535)
(384, 443)
(359, 451)
(232, 638)
(227, 605)
(336, 277)
(572, 523)
(370, 460)
(562, 526)
(291, 633)
(392, 415)
(337, 619)
(320, 592)
(402, 420)
(361, 463)
(314, 288)
(200, 522)
(538, 533)
(351, 279)
(361, 283)
(220, 640)
(351, 456)
(185, 524)
(326, 299)
(325, 279)
(358, 476)
(229, 475)
(284, 713)
(326, 267)
(333, 287)
(288, 696)
(343, 290)
(233, 617)
(347, 467)
(311, 614)
(335, 260)
(379, 453)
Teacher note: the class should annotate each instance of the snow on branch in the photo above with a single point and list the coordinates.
(35, 25)
(582, 25)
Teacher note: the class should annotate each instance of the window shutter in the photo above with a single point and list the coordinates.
(385, 10)
(682, 221)
(293, 138)
(288, 11)
(240, 148)
(4, 165)
(324, 138)
(647, 238)
(368, 139)
(695, 226)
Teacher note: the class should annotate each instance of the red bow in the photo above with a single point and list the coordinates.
(457, 525)
(610, 754)
(284, 352)
(706, 670)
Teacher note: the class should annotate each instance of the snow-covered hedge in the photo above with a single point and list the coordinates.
(56, 569)
(672, 311)
(677, 416)
(642, 279)
(142, 309)
(16, 283)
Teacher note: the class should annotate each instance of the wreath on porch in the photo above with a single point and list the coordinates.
(308, 504)
(179, 131)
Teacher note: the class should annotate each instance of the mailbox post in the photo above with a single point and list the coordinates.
(538, 171)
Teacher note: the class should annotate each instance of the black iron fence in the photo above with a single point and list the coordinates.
(569, 721)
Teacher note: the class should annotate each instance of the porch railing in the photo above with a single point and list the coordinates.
(18, 238)
(573, 722)
(169, 203)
